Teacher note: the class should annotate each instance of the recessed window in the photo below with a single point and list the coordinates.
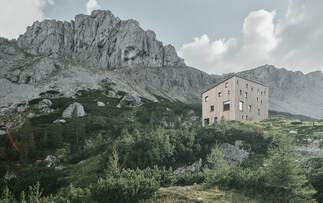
(206, 121)
(226, 106)
(246, 95)
(206, 98)
(257, 99)
(242, 117)
(220, 94)
(240, 92)
(226, 85)
(249, 108)
(241, 106)
(212, 108)
(229, 92)
(258, 112)
(246, 117)
(247, 85)
(251, 89)
(261, 102)
(261, 93)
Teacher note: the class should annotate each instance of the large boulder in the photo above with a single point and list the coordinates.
(130, 100)
(74, 109)
(44, 105)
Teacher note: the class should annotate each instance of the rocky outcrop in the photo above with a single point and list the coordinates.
(235, 154)
(74, 109)
(130, 100)
(195, 167)
(98, 40)
(44, 105)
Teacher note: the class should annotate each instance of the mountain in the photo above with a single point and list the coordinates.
(292, 92)
(99, 50)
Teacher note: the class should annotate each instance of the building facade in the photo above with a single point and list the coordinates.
(235, 98)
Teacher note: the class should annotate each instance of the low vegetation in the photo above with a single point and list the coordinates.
(131, 155)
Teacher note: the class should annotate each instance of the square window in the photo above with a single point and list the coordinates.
(212, 108)
(226, 106)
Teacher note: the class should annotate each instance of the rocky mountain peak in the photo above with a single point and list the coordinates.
(98, 40)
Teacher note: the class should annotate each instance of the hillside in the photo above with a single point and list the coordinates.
(101, 111)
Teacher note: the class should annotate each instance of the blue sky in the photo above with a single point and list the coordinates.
(175, 21)
(212, 35)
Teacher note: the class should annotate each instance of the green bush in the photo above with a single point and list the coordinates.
(124, 185)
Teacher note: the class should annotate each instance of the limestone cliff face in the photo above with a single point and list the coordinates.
(98, 40)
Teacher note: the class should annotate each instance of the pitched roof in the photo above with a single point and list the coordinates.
(229, 77)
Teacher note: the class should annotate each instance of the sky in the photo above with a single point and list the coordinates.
(211, 35)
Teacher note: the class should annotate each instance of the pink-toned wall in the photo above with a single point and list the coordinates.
(235, 84)
(214, 99)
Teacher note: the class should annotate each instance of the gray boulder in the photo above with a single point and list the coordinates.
(234, 153)
(44, 105)
(75, 107)
(130, 100)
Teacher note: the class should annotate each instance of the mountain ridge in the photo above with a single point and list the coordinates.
(94, 49)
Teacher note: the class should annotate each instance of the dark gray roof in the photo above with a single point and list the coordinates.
(229, 77)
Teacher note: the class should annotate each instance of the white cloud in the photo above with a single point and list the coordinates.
(92, 5)
(16, 15)
(294, 42)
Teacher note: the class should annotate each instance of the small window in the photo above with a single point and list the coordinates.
(251, 89)
(261, 102)
(247, 85)
(206, 121)
(229, 92)
(257, 99)
(226, 106)
(242, 117)
(258, 112)
(206, 98)
(264, 92)
(212, 108)
(241, 106)
(246, 95)
(249, 108)
(215, 119)
(220, 94)
(246, 117)
(237, 82)
(258, 91)
(226, 85)
(240, 92)
(261, 93)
